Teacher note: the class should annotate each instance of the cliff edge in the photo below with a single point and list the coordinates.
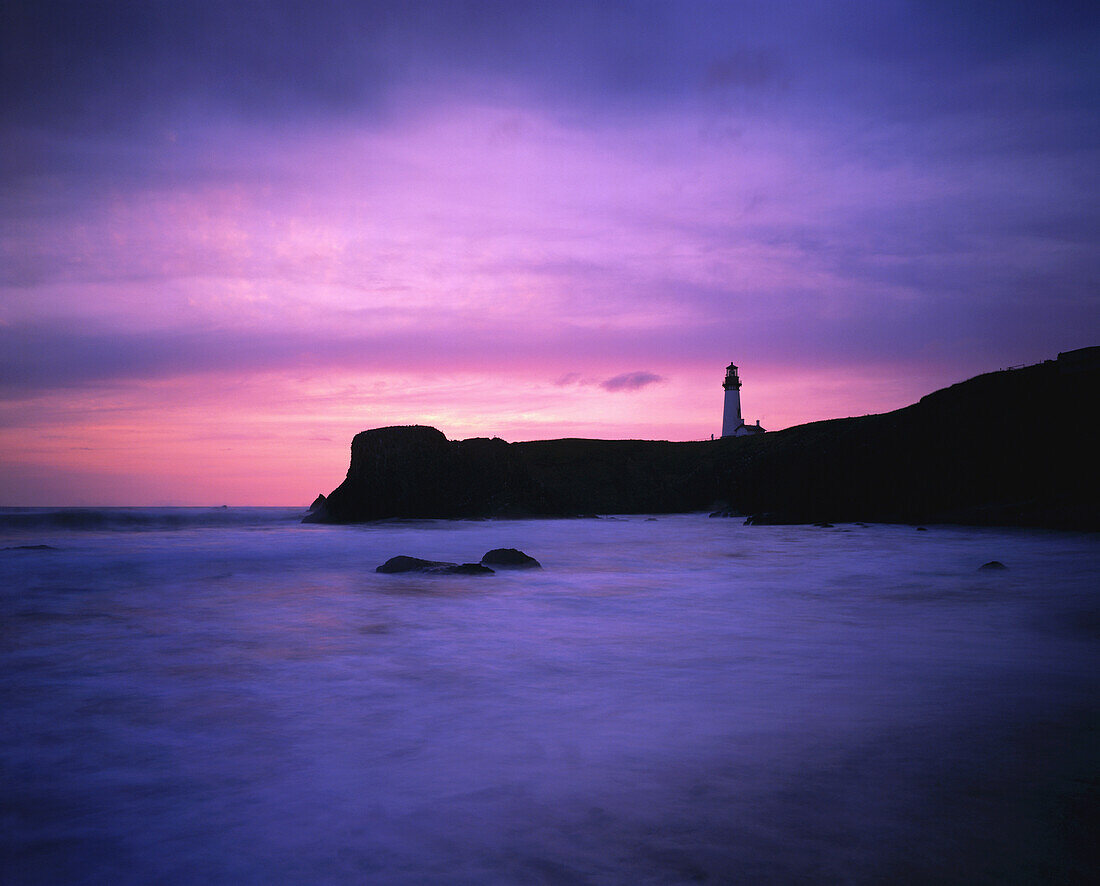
(1015, 447)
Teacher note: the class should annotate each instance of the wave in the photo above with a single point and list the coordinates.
(144, 519)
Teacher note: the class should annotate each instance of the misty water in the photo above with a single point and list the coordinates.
(231, 696)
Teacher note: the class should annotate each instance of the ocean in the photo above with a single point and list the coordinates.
(230, 696)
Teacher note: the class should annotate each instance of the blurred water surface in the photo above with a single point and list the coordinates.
(228, 695)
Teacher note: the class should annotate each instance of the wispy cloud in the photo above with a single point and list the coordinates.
(631, 381)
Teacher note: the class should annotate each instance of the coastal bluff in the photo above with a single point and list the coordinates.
(1014, 447)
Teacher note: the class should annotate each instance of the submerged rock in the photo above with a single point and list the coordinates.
(402, 563)
(777, 518)
(993, 564)
(510, 557)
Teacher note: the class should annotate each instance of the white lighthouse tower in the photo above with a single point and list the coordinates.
(732, 423)
(731, 413)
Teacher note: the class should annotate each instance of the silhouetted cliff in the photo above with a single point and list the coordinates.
(1014, 447)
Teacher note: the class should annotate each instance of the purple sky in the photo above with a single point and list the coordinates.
(234, 234)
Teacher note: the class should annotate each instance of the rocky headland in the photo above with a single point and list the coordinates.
(1014, 447)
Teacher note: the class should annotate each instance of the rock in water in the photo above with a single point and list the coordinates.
(993, 564)
(433, 567)
(410, 564)
(467, 569)
(510, 557)
(318, 511)
(768, 518)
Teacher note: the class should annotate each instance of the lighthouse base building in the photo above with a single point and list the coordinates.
(732, 423)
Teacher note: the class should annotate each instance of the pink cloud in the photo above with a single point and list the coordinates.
(631, 381)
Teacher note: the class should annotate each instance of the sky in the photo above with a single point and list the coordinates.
(234, 234)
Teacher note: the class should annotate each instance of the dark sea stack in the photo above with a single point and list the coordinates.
(318, 511)
(415, 471)
(510, 558)
(394, 472)
(1005, 448)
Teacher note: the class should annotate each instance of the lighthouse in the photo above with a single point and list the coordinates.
(732, 423)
